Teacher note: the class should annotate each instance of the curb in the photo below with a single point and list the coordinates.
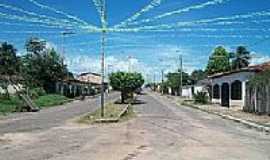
(114, 120)
(238, 120)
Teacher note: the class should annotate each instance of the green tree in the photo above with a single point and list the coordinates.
(198, 75)
(126, 83)
(261, 79)
(43, 69)
(173, 80)
(241, 58)
(35, 45)
(219, 61)
(9, 64)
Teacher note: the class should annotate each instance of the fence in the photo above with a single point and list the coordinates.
(257, 99)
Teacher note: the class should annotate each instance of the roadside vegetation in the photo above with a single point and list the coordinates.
(15, 104)
(219, 61)
(31, 76)
(128, 84)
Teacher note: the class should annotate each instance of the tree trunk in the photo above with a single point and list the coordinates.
(122, 97)
(7, 93)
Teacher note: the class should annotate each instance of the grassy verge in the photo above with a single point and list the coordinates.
(112, 111)
(51, 100)
(10, 105)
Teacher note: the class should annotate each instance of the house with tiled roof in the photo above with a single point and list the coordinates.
(229, 88)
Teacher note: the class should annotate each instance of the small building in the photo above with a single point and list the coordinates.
(93, 78)
(87, 84)
(200, 86)
(229, 88)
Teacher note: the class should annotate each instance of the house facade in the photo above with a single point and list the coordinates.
(229, 88)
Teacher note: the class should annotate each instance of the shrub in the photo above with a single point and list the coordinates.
(201, 97)
(37, 92)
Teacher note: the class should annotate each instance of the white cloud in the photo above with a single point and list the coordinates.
(259, 58)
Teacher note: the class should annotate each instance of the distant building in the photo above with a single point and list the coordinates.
(83, 84)
(200, 86)
(89, 77)
(229, 88)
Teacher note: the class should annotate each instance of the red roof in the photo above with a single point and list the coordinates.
(253, 68)
(261, 67)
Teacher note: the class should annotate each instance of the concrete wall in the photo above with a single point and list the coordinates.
(187, 92)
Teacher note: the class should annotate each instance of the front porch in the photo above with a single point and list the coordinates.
(230, 89)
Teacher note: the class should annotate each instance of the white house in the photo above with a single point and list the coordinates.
(229, 88)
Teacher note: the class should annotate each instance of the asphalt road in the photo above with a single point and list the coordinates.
(51, 117)
(161, 131)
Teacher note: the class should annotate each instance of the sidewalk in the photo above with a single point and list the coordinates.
(260, 122)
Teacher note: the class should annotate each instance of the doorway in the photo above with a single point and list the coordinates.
(225, 95)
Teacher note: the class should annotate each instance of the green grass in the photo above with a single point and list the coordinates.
(112, 111)
(10, 105)
(51, 100)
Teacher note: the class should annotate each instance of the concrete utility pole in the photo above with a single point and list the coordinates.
(181, 74)
(162, 81)
(64, 34)
(103, 43)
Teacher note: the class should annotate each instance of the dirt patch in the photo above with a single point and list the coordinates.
(136, 153)
(17, 138)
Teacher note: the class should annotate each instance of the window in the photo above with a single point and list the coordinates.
(216, 94)
(236, 90)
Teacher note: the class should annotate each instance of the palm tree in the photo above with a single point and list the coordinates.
(241, 58)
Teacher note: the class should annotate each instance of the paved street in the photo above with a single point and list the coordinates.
(162, 131)
(48, 118)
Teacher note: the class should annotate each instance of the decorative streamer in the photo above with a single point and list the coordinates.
(198, 22)
(152, 5)
(52, 19)
(192, 30)
(34, 25)
(42, 6)
(180, 11)
(33, 20)
(100, 7)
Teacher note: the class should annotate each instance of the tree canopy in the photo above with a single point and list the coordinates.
(198, 75)
(43, 67)
(173, 80)
(9, 64)
(126, 82)
(241, 58)
(260, 79)
(219, 61)
(9, 61)
(35, 45)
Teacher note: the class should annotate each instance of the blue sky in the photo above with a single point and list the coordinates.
(190, 27)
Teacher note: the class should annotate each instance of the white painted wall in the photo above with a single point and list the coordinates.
(11, 89)
(187, 92)
(241, 76)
